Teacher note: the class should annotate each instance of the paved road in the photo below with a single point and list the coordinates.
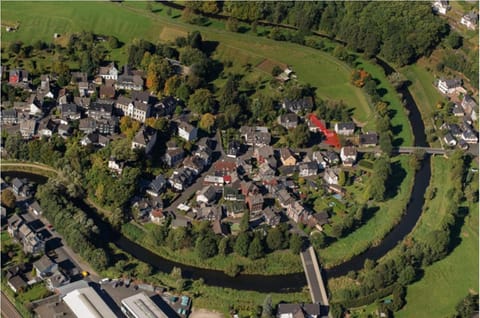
(8, 309)
(313, 282)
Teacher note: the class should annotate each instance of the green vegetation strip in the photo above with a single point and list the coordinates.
(376, 228)
(279, 262)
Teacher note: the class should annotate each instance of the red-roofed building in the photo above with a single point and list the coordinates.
(225, 168)
(157, 216)
(332, 138)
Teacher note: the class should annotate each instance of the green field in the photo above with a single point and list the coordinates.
(376, 227)
(131, 20)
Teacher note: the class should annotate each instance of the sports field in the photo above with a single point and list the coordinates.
(40, 20)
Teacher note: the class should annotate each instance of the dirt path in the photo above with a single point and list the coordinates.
(203, 313)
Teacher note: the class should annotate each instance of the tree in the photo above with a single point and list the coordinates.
(454, 40)
(171, 85)
(245, 221)
(8, 198)
(296, 243)
(241, 244)
(113, 42)
(256, 249)
(195, 40)
(369, 264)
(143, 270)
(299, 136)
(467, 307)
(232, 25)
(275, 239)
(224, 246)
(206, 247)
(201, 101)
(276, 71)
(407, 275)
(207, 122)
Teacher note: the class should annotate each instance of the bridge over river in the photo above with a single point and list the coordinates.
(406, 150)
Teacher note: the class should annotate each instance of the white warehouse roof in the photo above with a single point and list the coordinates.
(86, 303)
(141, 306)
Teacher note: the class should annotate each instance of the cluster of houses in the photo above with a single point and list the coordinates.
(26, 230)
(465, 108)
(97, 105)
(469, 19)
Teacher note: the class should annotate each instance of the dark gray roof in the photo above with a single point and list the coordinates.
(368, 139)
(17, 183)
(158, 184)
(346, 126)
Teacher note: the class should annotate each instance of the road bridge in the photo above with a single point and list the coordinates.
(314, 277)
(407, 150)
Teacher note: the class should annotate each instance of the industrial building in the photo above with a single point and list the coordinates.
(141, 306)
(86, 303)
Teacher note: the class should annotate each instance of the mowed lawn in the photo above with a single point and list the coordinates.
(376, 227)
(128, 21)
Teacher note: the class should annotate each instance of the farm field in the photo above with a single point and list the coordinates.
(131, 20)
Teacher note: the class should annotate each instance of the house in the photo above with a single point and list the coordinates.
(82, 101)
(220, 228)
(173, 157)
(205, 154)
(258, 136)
(129, 81)
(166, 106)
(271, 217)
(107, 126)
(195, 164)
(187, 131)
(87, 125)
(255, 203)
(470, 20)
(470, 107)
(46, 127)
(247, 188)
(106, 92)
(288, 120)
(135, 109)
(307, 169)
(58, 279)
(108, 72)
(209, 213)
(348, 155)
(232, 194)
(235, 209)
(69, 112)
(145, 139)
(297, 212)
(20, 187)
(265, 171)
(299, 311)
(330, 176)
(95, 139)
(233, 149)
(45, 267)
(225, 168)
(284, 198)
(450, 86)
(35, 208)
(368, 140)
(331, 157)
(470, 136)
(262, 153)
(16, 283)
(440, 7)
(455, 130)
(64, 97)
(36, 105)
(77, 77)
(157, 216)
(181, 178)
(13, 225)
(318, 220)
(116, 166)
(303, 105)
(345, 129)
(207, 195)
(64, 130)
(213, 180)
(33, 244)
(101, 109)
(28, 128)
(9, 116)
(449, 140)
(457, 110)
(287, 157)
(17, 76)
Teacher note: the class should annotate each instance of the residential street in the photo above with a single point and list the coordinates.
(8, 309)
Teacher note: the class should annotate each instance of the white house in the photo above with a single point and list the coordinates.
(470, 20)
(348, 155)
(330, 176)
(440, 7)
(450, 86)
(345, 129)
(187, 131)
(109, 72)
(207, 195)
(116, 166)
(449, 140)
(145, 138)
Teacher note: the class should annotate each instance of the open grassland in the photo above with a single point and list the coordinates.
(400, 123)
(376, 227)
(448, 281)
(131, 20)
